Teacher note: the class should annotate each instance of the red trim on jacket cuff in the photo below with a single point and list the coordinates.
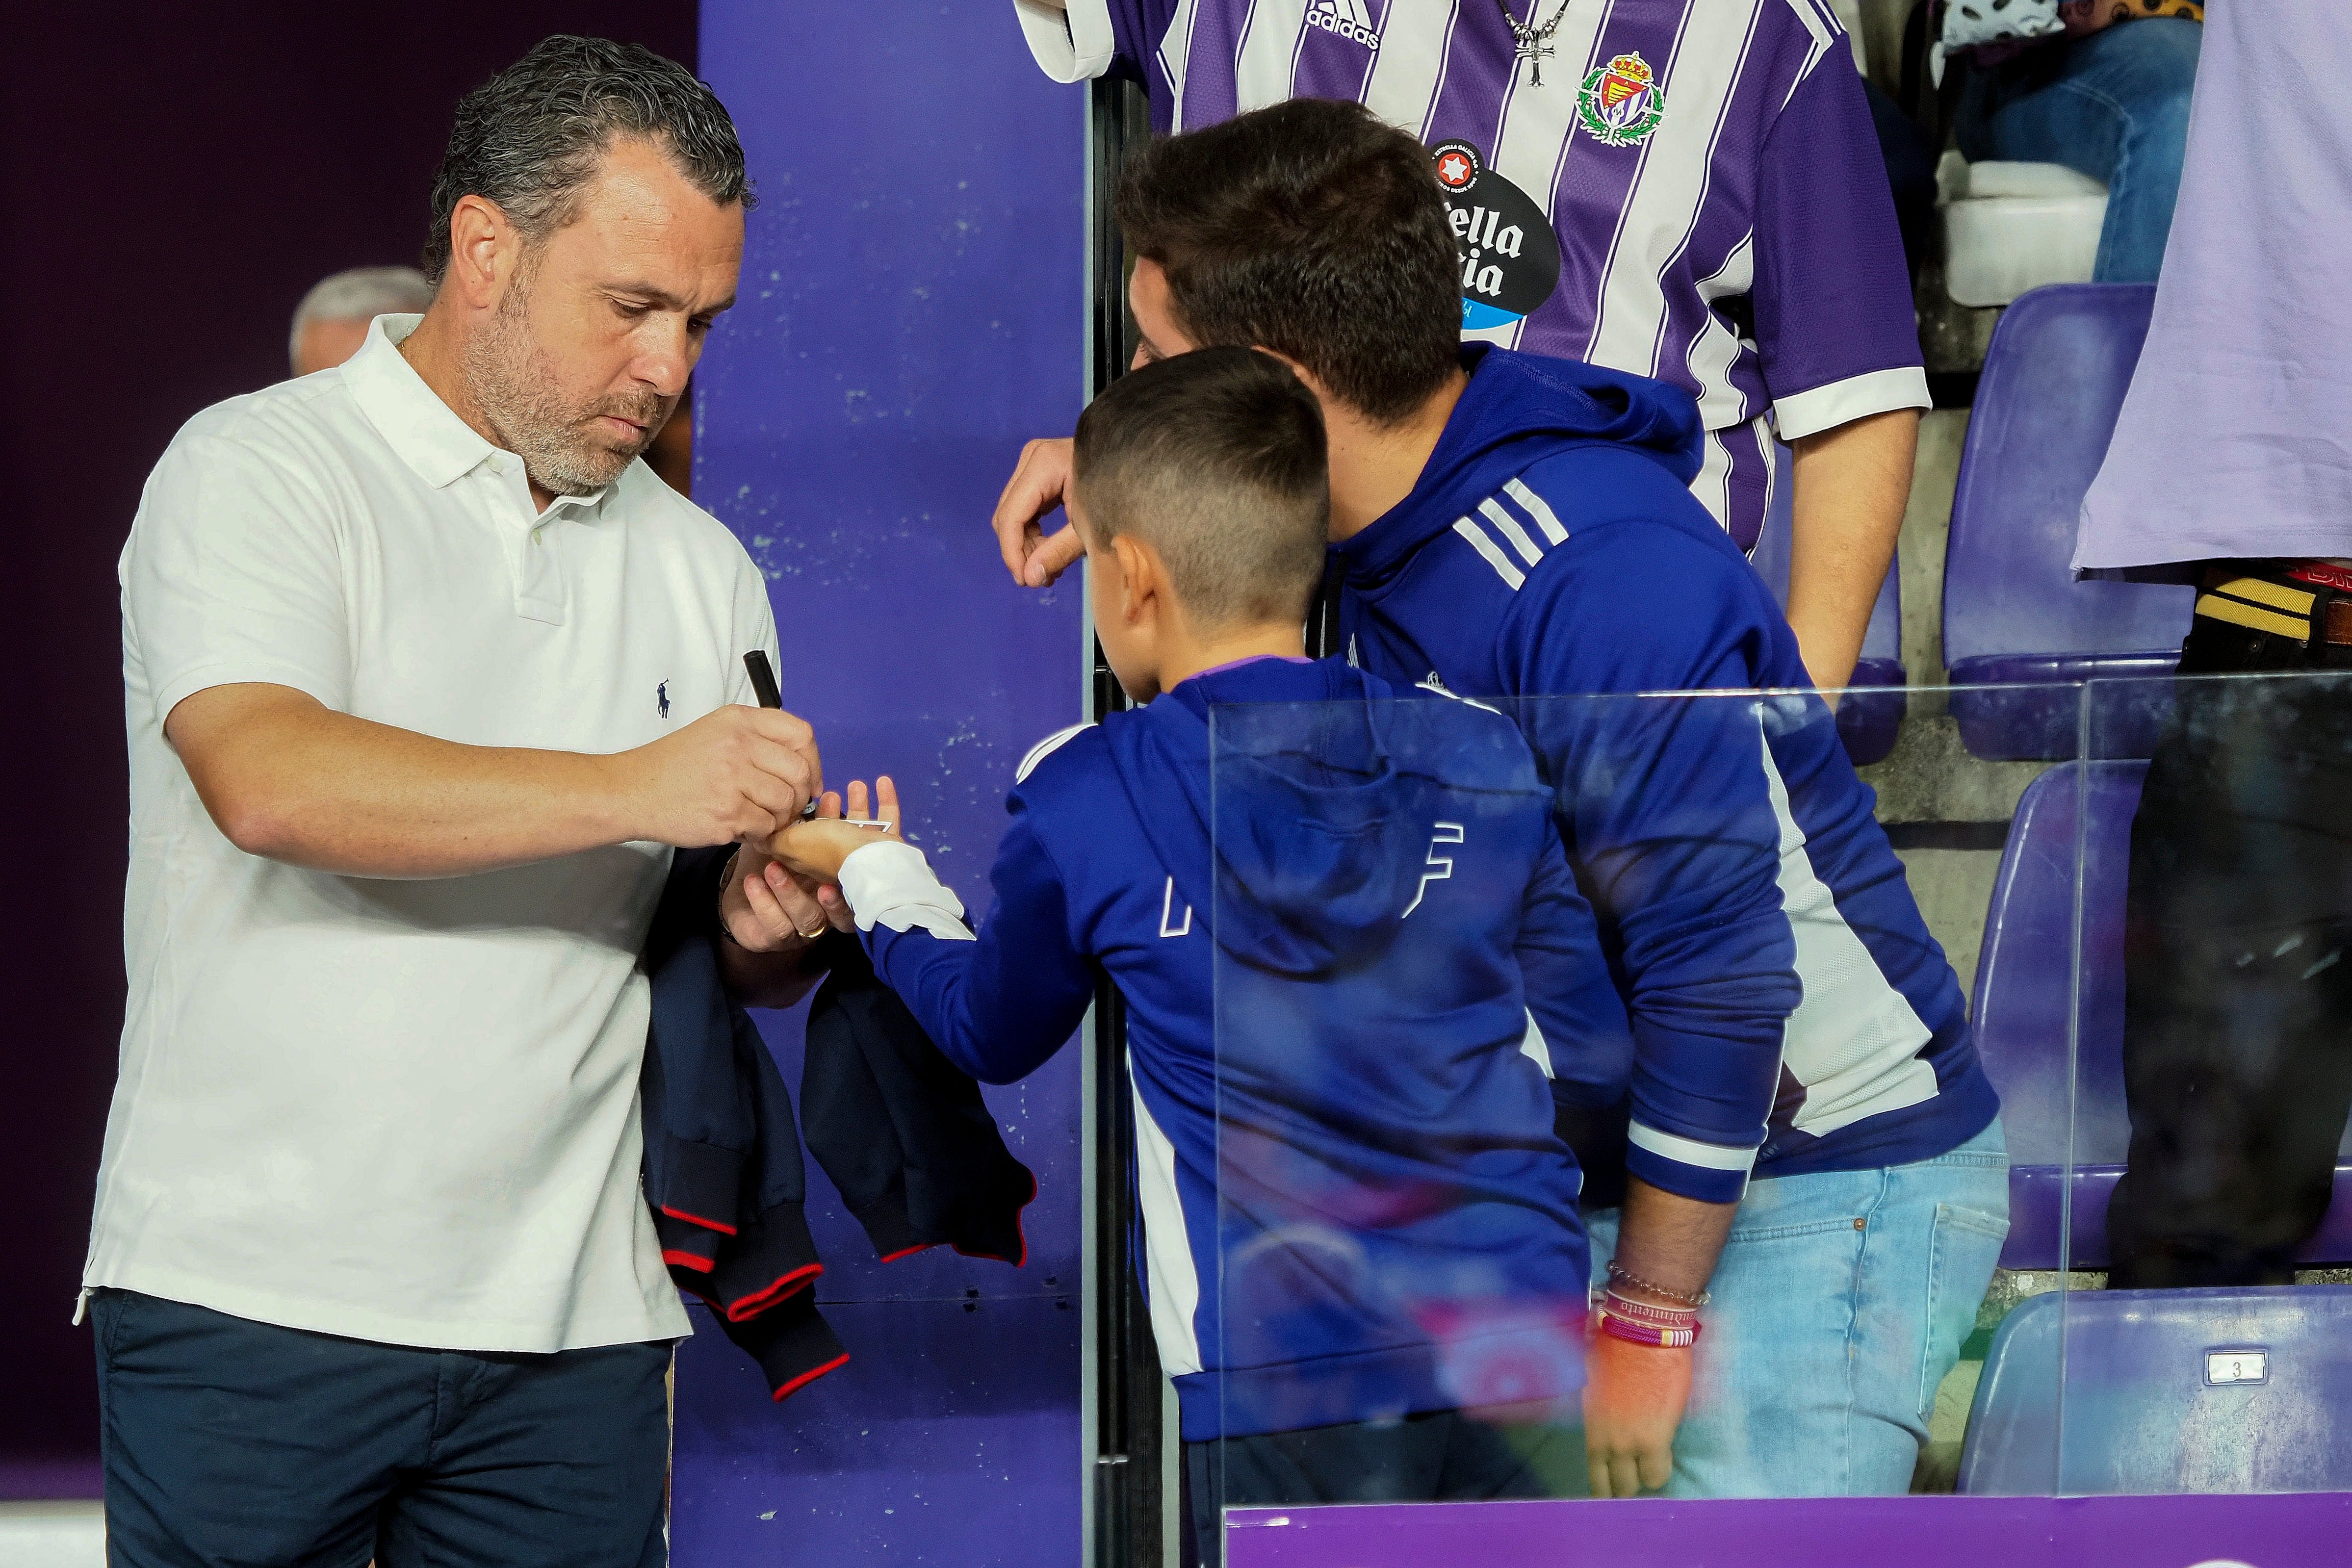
(698, 1219)
(805, 1378)
(688, 1261)
(908, 1251)
(744, 1307)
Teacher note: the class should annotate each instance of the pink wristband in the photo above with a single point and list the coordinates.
(1649, 1334)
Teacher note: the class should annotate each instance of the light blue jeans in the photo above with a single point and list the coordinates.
(1842, 1300)
(2113, 105)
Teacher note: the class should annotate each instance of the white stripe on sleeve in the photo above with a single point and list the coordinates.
(1493, 512)
(1044, 748)
(1810, 412)
(1491, 550)
(1538, 509)
(1690, 1151)
(1072, 45)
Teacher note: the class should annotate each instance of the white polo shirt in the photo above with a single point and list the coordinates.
(401, 1111)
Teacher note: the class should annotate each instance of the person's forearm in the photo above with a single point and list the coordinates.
(1670, 1241)
(1851, 484)
(1636, 1394)
(287, 778)
(331, 792)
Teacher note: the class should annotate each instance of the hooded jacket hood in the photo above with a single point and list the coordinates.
(1517, 409)
(1316, 833)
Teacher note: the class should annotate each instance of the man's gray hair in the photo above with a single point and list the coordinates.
(530, 137)
(358, 294)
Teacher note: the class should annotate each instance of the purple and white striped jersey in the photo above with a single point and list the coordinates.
(1693, 191)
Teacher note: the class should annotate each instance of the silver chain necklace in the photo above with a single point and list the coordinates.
(1535, 43)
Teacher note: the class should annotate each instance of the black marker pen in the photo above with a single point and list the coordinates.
(764, 686)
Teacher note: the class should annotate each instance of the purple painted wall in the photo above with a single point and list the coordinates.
(173, 178)
(911, 313)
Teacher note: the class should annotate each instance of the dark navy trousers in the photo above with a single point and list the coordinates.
(233, 1444)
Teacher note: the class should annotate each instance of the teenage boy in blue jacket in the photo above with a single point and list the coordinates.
(1519, 530)
(1343, 1002)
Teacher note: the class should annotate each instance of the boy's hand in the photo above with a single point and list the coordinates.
(1635, 1395)
(815, 849)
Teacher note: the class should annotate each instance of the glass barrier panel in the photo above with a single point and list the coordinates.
(1507, 989)
(2205, 1342)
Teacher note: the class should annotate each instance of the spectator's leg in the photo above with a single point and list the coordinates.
(539, 1461)
(226, 1440)
(1772, 1390)
(2147, 70)
(2113, 105)
(2238, 1014)
(1842, 1300)
(1933, 1242)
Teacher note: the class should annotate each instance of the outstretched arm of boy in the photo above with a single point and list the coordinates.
(998, 1004)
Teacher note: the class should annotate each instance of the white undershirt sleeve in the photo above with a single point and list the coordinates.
(890, 884)
(1075, 45)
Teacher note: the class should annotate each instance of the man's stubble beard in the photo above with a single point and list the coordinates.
(510, 381)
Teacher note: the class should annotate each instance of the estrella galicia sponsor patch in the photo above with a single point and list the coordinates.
(1510, 257)
(1621, 102)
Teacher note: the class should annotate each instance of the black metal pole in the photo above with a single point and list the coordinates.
(1128, 1458)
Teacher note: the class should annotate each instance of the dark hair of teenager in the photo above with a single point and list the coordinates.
(1313, 229)
(1216, 460)
(530, 137)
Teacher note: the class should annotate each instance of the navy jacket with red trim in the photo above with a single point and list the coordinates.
(901, 1132)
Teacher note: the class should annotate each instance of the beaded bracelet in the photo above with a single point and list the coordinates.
(1648, 1312)
(1691, 1299)
(1649, 1334)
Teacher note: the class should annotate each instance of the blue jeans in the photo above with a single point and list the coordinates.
(2114, 105)
(227, 1441)
(1842, 1300)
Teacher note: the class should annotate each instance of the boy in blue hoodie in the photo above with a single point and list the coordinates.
(1518, 530)
(1360, 1228)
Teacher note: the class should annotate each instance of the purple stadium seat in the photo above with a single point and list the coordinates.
(2166, 1391)
(1867, 719)
(2052, 383)
(2025, 981)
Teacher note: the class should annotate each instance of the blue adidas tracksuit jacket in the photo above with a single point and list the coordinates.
(1788, 1005)
(1340, 1025)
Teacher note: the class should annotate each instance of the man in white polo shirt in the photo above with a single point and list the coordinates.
(425, 675)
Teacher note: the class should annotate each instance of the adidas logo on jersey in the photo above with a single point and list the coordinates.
(1345, 17)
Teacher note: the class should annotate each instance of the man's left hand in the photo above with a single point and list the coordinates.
(767, 910)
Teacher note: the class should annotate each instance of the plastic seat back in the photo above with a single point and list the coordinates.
(2025, 985)
(2054, 381)
(2108, 1391)
(2025, 990)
